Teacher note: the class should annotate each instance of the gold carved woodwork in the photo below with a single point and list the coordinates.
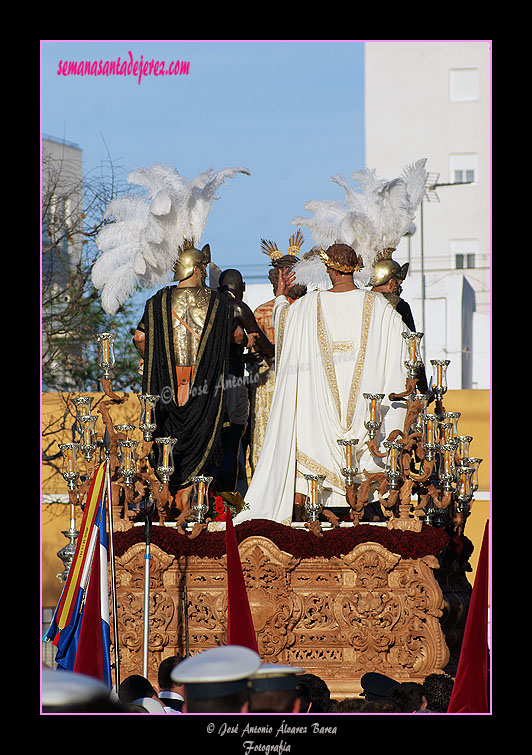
(339, 617)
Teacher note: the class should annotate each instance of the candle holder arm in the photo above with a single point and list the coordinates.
(198, 528)
(410, 388)
(331, 517)
(314, 527)
(103, 410)
(389, 503)
(108, 390)
(373, 447)
(439, 407)
(414, 408)
(74, 496)
(144, 450)
(428, 466)
(363, 492)
(439, 499)
(82, 491)
(411, 441)
(351, 495)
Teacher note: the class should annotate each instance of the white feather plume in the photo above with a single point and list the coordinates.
(312, 273)
(415, 175)
(370, 220)
(328, 214)
(142, 243)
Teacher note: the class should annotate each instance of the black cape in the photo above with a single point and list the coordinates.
(196, 424)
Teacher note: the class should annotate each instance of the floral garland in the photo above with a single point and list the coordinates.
(298, 542)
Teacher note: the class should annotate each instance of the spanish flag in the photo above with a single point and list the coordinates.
(80, 626)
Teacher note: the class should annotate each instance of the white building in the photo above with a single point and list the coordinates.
(61, 249)
(433, 99)
(62, 198)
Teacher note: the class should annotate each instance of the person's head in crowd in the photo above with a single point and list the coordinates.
(215, 680)
(438, 689)
(170, 693)
(409, 697)
(377, 687)
(137, 690)
(348, 705)
(314, 694)
(286, 263)
(379, 706)
(134, 688)
(231, 281)
(273, 689)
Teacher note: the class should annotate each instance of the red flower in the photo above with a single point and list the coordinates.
(301, 543)
(219, 504)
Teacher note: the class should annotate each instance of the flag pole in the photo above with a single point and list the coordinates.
(185, 615)
(149, 507)
(107, 445)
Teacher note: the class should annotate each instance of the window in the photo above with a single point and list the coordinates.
(463, 84)
(464, 253)
(463, 176)
(463, 168)
(464, 261)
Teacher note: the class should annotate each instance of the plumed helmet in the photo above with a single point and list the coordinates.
(387, 268)
(189, 258)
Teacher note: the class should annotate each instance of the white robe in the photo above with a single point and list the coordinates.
(330, 349)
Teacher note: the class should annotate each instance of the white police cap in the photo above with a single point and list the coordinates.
(218, 671)
(274, 676)
(66, 690)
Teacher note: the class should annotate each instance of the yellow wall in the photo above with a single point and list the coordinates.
(54, 406)
(56, 516)
(474, 420)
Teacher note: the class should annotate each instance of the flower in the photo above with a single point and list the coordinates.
(218, 503)
(298, 542)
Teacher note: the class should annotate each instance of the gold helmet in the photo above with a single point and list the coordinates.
(189, 258)
(386, 268)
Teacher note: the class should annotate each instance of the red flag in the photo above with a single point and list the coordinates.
(90, 655)
(470, 694)
(240, 629)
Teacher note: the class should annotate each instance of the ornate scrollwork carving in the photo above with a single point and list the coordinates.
(368, 610)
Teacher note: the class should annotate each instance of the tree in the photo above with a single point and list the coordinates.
(73, 208)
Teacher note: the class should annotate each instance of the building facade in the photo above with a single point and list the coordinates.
(62, 245)
(433, 99)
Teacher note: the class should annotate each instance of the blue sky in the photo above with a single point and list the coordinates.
(290, 112)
